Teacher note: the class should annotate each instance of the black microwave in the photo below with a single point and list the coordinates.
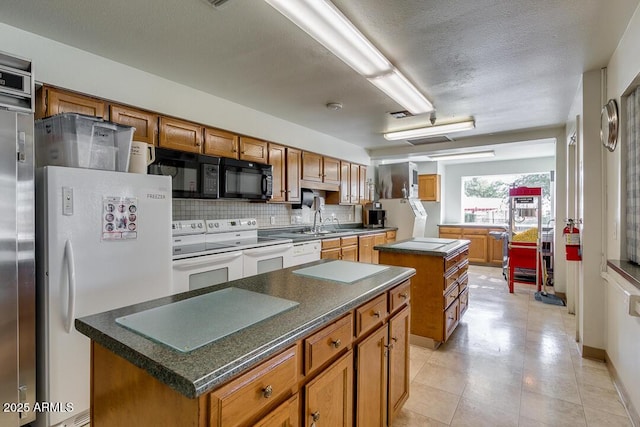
(240, 179)
(192, 175)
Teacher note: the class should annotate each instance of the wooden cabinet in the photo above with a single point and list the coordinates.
(320, 169)
(434, 290)
(399, 369)
(294, 174)
(51, 101)
(146, 123)
(366, 243)
(391, 236)
(220, 143)
(348, 193)
(363, 188)
(355, 368)
(278, 159)
(328, 398)
(253, 150)
(180, 135)
(382, 360)
(484, 249)
(345, 248)
(429, 187)
(371, 382)
(285, 415)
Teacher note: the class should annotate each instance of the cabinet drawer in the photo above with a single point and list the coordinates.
(463, 254)
(267, 384)
(327, 343)
(481, 231)
(450, 261)
(399, 296)
(331, 243)
(464, 301)
(390, 235)
(463, 282)
(349, 241)
(463, 266)
(451, 318)
(371, 314)
(450, 279)
(450, 230)
(451, 296)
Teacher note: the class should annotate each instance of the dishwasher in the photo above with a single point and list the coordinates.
(304, 252)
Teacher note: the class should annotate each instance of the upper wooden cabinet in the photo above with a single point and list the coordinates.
(363, 188)
(317, 168)
(220, 143)
(349, 185)
(429, 187)
(294, 173)
(354, 186)
(180, 135)
(146, 123)
(253, 150)
(53, 101)
(277, 159)
(286, 173)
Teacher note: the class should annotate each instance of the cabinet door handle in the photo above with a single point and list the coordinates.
(336, 344)
(404, 295)
(315, 416)
(394, 339)
(376, 314)
(267, 392)
(390, 346)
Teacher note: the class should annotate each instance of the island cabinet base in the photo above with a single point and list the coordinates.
(439, 292)
(353, 370)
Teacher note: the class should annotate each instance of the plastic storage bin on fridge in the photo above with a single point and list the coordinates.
(79, 141)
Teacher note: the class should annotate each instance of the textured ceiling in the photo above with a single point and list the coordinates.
(513, 65)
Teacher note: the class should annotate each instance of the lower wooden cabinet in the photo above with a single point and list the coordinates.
(483, 248)
(399, 369)
(372, 370)
(329, 396)
(285, 415)
(345, 248)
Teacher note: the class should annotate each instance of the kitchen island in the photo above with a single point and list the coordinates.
(254, 375)
(439, 291)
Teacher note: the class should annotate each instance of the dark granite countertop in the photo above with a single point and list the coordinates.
(296, 234)
(206, 368)
(431, 246)
(475, 225)
(626, 269)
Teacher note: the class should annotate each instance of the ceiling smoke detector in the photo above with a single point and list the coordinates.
(216, 3)
(334, 106)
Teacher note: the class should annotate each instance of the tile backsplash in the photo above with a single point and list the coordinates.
(267, 214)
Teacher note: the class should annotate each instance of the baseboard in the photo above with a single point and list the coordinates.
(624, 396)
(423, 342)
(593, 353)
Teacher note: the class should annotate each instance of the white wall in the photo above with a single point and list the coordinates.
(64, 66)
(453, 174)
(622, 344)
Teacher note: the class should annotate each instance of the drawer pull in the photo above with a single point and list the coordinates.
(376, 314)
(336, 344)
(450, 317)
(315, 416)
(267, 392)
(404, 295)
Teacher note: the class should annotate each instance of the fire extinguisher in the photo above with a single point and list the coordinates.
(572, 241)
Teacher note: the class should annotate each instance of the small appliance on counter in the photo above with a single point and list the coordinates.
(373, 215)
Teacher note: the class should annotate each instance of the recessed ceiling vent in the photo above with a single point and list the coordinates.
(216, 3)
(401, 114)
(430, 140)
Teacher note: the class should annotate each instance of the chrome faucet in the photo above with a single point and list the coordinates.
(319, 201)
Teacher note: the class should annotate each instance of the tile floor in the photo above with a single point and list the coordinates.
(512, 361)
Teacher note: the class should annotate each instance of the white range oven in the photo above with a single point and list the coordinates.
(211, 252)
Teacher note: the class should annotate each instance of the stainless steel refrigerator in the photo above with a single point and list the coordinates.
(17, 269)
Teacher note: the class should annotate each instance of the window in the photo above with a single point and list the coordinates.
(633, 175)
(485, 199)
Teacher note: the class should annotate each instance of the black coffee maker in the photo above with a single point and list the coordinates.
(373, 216)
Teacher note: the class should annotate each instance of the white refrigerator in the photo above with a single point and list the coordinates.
(103, 241)
(408, 215)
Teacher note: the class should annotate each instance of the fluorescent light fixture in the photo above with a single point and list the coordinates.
(325, 23)
(403, 92)
(430, 130)
(458, 156)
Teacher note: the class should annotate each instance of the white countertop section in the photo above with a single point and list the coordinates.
(341, 271)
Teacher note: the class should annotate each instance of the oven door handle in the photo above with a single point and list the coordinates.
(275, 249)
(219, 259)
